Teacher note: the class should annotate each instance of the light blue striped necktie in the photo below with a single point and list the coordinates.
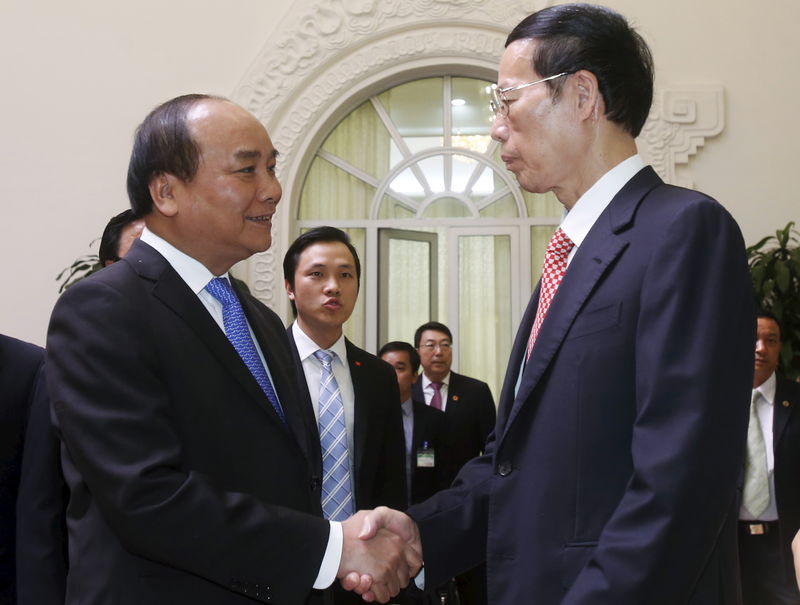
(337, 496)
(239, 334)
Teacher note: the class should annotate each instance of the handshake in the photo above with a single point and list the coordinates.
(382, 551)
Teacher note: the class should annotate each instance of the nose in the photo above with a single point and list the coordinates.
(270, 189)
(332, 286)
(499, 130)
(759, 345)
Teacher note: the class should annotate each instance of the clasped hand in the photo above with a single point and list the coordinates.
(381, 553)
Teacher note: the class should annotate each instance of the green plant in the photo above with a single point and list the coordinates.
(81, 267)
(775, 269)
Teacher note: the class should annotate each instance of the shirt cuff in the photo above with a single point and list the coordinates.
(332, 558)
(419, 579)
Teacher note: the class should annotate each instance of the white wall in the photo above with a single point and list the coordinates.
(77, 77)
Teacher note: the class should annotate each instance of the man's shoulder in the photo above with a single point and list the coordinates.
(787, 389)
(15, 350)
(467, 382)
(374, 366)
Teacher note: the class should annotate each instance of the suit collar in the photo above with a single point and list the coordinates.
(173, 291)
(604, 242)
(784, 403)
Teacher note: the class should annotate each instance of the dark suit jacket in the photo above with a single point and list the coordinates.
(20, 364)
(469, 418)
(611, 476)
(186, 487)
(41, 506)
(378, 444)
(429, 428)
(786, 447)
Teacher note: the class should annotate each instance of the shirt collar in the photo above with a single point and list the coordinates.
(191, 270)
(307, 347)
(426, 381)
(767, 388)
(580, 219)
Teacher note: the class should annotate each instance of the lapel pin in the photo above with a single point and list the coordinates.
(786, 404)
(455, 397)
(358, 363)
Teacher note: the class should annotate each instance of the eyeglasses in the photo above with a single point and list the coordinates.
(499, 102)
(430, 346)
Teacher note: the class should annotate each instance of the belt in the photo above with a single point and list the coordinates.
(757, 528)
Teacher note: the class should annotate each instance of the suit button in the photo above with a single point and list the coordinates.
(504, 469)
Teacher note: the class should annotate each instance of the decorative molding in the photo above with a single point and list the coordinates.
(328, 56)
(682, 118)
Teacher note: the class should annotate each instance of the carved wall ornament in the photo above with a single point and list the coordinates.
(328, 56)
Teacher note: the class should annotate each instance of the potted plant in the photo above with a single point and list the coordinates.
(775, 269)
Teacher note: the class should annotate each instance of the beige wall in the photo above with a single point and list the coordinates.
(78, 77)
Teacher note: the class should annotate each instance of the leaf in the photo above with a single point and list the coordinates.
(782, 277)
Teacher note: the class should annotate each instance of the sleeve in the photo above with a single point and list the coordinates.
(41, 502)
(694, 367)
(108, 385)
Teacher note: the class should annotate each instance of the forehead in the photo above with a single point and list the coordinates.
(768, 326)
(433, 335)
(516, 64)
(334, 254)
(223, 128)
(397, 357)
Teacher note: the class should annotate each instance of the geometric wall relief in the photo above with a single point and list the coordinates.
(681, 120)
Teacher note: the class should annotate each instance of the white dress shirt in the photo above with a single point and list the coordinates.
(428, 390)
(764, 409)
(196, 276)
(580, 219)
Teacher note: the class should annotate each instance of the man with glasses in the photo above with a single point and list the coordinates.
(611, 475)
(469, 418)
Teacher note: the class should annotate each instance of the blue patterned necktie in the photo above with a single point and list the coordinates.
(239, 334)
(337, 498)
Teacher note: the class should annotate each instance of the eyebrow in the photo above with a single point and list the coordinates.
(248, 154)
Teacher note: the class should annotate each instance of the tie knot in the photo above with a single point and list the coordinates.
(755, 396)
(560, 243)
(324, 357)
(437, 385)
(220, 288)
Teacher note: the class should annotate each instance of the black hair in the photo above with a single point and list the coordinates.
(571, 37)
(314, 236)
(163, 145)
(431, 325)
(767, 314)
(109, 242)
(401, 346)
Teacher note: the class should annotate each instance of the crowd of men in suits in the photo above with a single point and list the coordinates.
(213, 456)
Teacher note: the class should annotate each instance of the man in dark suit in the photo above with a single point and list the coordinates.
(466, 402)
(426, 452)
(322, 273)
(611, 476)
(770, 510)
(185, 444)
(469, 418)
(423, 426)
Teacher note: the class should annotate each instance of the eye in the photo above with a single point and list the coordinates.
(272, 168)
(347, 274)
(247, 170)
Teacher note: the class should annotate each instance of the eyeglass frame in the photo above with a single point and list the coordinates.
(498, 101)
(432, 346)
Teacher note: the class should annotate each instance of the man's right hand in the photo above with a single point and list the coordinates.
(381, 552)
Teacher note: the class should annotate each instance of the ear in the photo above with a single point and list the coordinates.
(163, 189)
(288, 287)
(588, 98)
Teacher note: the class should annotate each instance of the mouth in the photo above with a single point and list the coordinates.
(332, 304)
(261, 219)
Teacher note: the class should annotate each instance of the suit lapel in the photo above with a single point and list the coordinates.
(173, 292)
(597, 252)
(780, 413)
(360, 408)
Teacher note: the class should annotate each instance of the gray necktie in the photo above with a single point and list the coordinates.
(756, 482)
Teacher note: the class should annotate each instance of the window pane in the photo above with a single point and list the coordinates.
(361, 140)
(473, 116)
(415, 107)
(505, 207)
(409, 287)
(447, 207)
(329, 193)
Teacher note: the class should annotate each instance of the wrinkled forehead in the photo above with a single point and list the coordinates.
(220, 124)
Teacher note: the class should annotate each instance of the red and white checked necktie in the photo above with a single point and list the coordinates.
(553, 269)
